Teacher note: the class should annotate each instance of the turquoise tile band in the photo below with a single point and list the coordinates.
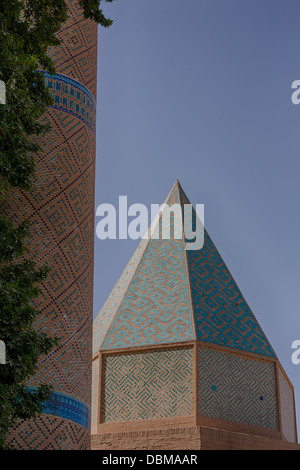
(72, 97)
(67, 407)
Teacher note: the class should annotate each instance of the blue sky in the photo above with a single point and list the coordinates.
(200, 90)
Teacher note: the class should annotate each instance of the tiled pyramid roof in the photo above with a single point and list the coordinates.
(170, 294)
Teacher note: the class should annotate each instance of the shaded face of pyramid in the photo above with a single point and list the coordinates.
(169, 293)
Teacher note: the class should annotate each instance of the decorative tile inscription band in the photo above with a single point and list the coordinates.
(67, 407)
(72, 97)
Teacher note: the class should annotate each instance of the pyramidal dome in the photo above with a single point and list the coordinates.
(169, 294)
(176, 340)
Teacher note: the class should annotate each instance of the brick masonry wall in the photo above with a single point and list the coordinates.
(150, 388)
(187, 438)
(218, 439)
(287, 408)
(61, 208)
(48, 433)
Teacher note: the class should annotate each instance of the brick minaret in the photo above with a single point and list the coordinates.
(61, 207)
(180, 361)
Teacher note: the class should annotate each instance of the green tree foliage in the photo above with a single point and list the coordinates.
(91, 10)
(19, 279)
(27, 29)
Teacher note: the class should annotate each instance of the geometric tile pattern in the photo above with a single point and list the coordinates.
(65, 406)
(237, 389)
(95, 390)
(169, 293)
(156, 307)
(76, 56)
(61, 209)
(151, 303)
(72, 97)
(114, 301)
(222, 315)
(148, 385)
(48, 432)
(110, 307)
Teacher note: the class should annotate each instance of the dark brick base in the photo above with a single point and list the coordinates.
(189, 438)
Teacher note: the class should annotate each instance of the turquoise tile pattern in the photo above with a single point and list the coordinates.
(71, 97)
(156, 307)
(104, 320)
(238, 389)
(151, 305)
(67, 407)
(148, 385)
(171, 294)
(222, 315)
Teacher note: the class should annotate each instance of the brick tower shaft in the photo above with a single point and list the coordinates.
(61, 208)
